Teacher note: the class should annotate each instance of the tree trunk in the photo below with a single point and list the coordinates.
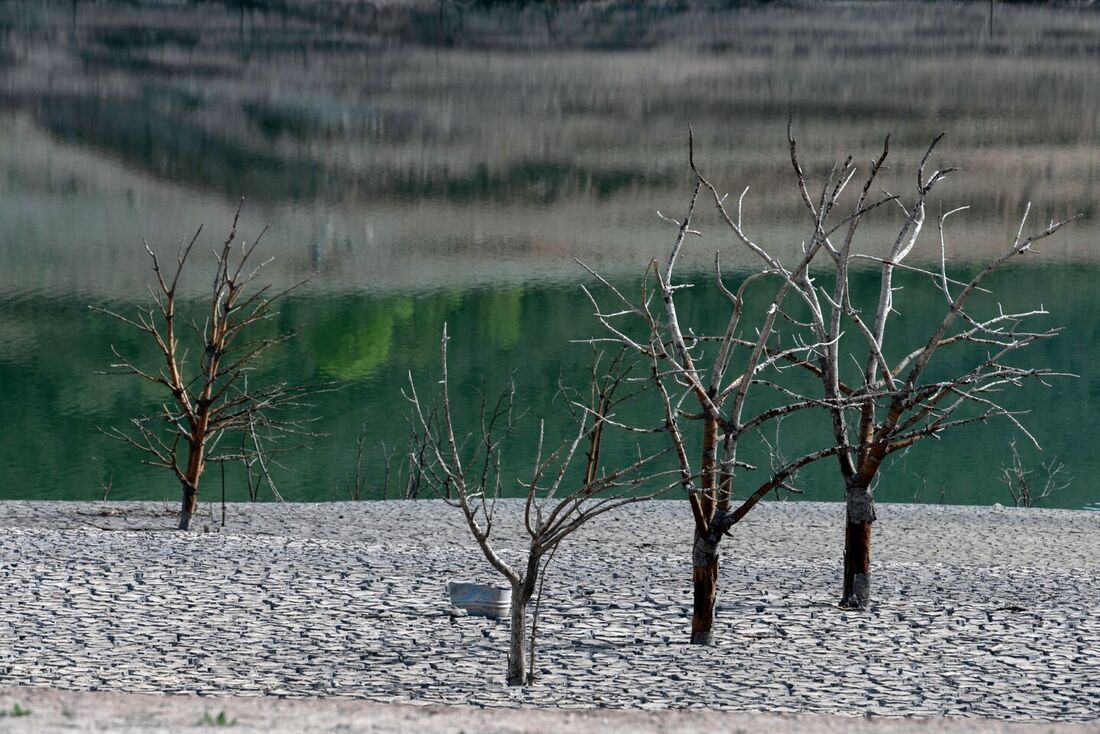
(196, 462)
(857, 547)
(517, 666)
(704, 578)
(188, 505)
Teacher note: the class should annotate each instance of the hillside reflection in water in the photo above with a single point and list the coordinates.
(429, 162)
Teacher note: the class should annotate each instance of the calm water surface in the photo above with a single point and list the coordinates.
(435, 162)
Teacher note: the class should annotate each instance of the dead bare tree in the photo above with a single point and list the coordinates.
(468, 474)
(256, 457)
(106, 477)
(415, 469)
(715, 373)
(387, 468)
(895, 404)
(353, 480)
(1019, 482)
(210, 398)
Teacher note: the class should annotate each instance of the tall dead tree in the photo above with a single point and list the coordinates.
(892, 403)
(1025, 492)
(210, 397)
(707, 378)
(466, 472)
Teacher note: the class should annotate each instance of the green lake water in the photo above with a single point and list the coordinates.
(436, 163)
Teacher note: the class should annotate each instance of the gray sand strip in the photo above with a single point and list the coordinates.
(65, 711)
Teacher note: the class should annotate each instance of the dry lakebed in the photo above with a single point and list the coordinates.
(987, 616)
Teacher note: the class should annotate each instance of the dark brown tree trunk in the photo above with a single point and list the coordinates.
(196, 463)
(704, 579)
(857, 547)
(188, 505)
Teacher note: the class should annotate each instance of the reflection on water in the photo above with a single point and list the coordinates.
(431, 161)
(51, 348)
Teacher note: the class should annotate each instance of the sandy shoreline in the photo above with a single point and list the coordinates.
(982, 613)
(67, 711)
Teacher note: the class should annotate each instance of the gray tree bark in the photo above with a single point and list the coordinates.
(860, 510)
(517, 645)
(523, 588)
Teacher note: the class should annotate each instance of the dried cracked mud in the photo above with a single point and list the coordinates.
(981, 613)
